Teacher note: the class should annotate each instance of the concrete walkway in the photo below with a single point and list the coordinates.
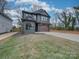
(73, 37)
(6, 35)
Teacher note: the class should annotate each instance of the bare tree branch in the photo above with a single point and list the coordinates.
(2, 5)
(65, 18)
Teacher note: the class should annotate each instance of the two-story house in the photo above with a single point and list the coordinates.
(36, 21)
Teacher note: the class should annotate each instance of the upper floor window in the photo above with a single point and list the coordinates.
(25, 15)
(44, 18)
(34, 16)
(38, 17)
(29, 14)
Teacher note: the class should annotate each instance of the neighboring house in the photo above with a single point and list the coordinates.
(5, 23)
(35, 21)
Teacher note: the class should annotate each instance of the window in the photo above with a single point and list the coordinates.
(43, 18)
(34, 16)
(28, 26)
(25, 15)
(29, 14)
(46, 18)
(38, 18)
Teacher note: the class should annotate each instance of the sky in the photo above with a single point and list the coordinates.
(52, 3)
(62, 3)
(50, 6)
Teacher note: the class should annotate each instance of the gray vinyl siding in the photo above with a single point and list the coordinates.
(5, 24)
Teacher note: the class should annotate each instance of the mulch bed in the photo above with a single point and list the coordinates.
(65, 31)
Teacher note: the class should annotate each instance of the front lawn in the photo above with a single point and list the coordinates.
(38, 46)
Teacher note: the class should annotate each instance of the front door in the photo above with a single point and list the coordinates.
(36, 27)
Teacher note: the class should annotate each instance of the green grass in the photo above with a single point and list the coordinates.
(38, 46)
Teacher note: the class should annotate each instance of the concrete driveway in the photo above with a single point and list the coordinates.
(73, 37)
(6, 35)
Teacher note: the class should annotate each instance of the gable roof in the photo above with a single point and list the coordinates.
(4, 15)
(42, 12)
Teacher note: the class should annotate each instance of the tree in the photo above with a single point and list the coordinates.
(76, 8)
(73, 22)
(2, 5)
(19, 16)
(65, 18)
(77, 12)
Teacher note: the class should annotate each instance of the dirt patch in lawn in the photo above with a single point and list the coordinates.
(38, 46)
